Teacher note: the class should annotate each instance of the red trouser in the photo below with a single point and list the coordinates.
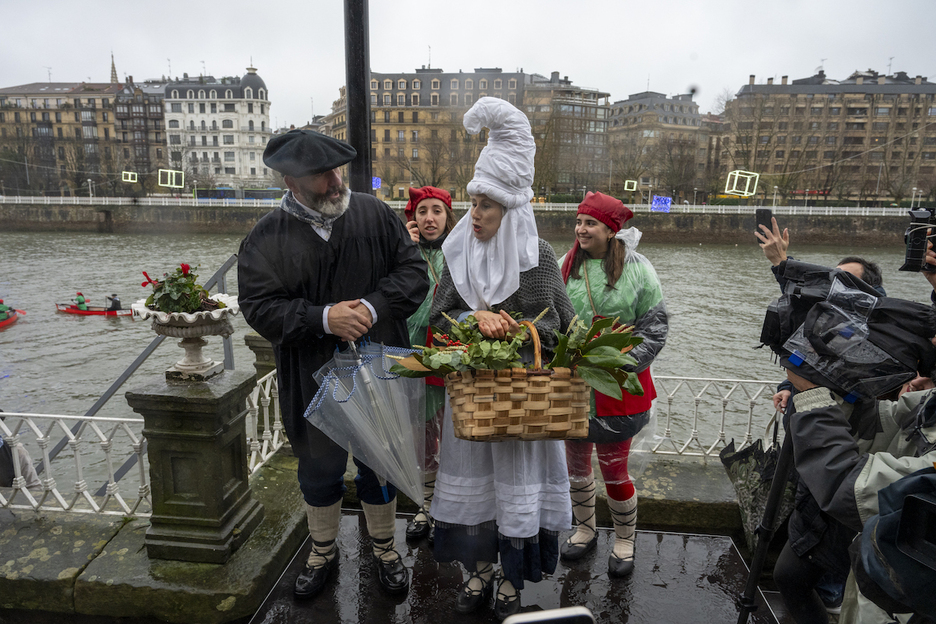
(612, 459)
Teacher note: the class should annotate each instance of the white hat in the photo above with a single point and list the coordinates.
(504, 171)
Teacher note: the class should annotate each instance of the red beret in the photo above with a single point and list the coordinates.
(609, 210)
(416, 195)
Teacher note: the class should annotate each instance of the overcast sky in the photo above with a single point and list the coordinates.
(616, 46)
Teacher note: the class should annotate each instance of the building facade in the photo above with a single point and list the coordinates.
(867, 138)
(56, 136)
(217, 130)
(658, 142)
(140, 128)
(418, 138)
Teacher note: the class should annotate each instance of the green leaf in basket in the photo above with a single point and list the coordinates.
(402, 371)
(632, 385)
(599, 326)
(601, 380)
(618, 341)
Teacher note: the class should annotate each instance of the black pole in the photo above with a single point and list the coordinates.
(765, 531)
(357, 73)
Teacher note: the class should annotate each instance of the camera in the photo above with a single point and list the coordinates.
(915, 238)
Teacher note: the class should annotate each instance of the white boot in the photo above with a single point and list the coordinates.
(580, 543)
(624, 517)
(381, 521)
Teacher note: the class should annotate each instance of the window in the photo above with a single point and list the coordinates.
(882, 111)
(230, 107)
(250, 125)
(191, 108)
(401, 135)
(815, 110)
(175, 94)
(454, 84)
(434, 99)
(453, 99)
(415, 154)
(830, 140)
(228, 94)
(880, 126)
(512, 83)
(386, 116)
(778, 154)
(250, 139)
(386, 136)
(401, 117)
(229, 170)
(415, 116)
(176, 108)
(832, 125)
(498, 83)
(783, 125)
(469, 83)
(387, 84)
(414, 136)
(228, 156)
(248, 93)
(386, 99)
(373, 98)
(835, 110)
(417, 85)
(89, 132)
(435, 84)
(414, 99)
(190, 94)
(229, 139)
(86, 115)
(764, 140)
(373, 85)
(512, 98)
(482, 84)
(227, 123)
(467, 99)
(401, 84)
(813, 140)
(400, 99)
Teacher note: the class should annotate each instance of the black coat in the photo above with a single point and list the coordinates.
(287, 274)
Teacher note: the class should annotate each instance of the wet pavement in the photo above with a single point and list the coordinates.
(678, 578)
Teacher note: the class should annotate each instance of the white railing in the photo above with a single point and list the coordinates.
(187, 200)
(263, 402)
(726, 406)
(93, 440)
(88, 438)
(695, 418)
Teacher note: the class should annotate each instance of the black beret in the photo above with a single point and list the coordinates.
(304, 152)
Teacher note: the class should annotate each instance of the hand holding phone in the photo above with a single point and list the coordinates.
(771, 240)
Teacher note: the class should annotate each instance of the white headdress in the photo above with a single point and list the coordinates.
(486, 273)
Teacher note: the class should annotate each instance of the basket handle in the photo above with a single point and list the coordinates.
(537, 345)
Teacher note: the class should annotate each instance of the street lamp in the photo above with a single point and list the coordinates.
(90, 188)
(775, 196)
(806, 198)
(694, 191)
(912, 197)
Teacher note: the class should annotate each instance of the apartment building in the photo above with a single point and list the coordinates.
(218, 128)
(140, 127)
(58, 135)
(868, 138)
(417, 136)
(658, 141)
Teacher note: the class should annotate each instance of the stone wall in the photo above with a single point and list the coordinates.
(657, 227)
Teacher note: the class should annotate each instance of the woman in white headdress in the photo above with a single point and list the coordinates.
(504, 501)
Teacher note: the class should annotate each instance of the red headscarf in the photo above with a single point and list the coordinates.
(609, 210)
(416, 195)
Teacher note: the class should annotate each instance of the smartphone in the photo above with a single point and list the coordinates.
(566, 615)
(763, 217)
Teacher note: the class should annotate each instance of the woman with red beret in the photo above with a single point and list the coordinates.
(429, 219)
(606, 277)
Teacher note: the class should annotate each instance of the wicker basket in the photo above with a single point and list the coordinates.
(519, 403)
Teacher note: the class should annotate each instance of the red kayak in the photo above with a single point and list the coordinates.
(70, 308)
(11, 319)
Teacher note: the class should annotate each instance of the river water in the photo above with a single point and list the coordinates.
(56, 363)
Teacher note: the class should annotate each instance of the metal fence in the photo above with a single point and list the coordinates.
(864, 211)
(695, 418)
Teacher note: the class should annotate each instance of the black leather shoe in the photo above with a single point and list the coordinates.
(393, 575)
(618, 568)
(573, 552)
(470, 599)
(505, 607)
(311, 580)
(418, 529)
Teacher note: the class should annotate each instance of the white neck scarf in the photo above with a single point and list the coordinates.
(486, 273)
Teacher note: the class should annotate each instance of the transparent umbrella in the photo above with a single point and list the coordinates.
(374, 413)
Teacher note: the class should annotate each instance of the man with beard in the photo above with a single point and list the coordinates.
(328, 266)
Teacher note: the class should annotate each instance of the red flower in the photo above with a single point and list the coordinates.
(149, 281)
(185, 269)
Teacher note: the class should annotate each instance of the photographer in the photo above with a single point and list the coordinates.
(844, 453)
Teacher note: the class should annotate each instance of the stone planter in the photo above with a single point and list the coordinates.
(192, 328)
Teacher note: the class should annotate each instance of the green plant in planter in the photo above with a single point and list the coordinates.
(178, 292)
